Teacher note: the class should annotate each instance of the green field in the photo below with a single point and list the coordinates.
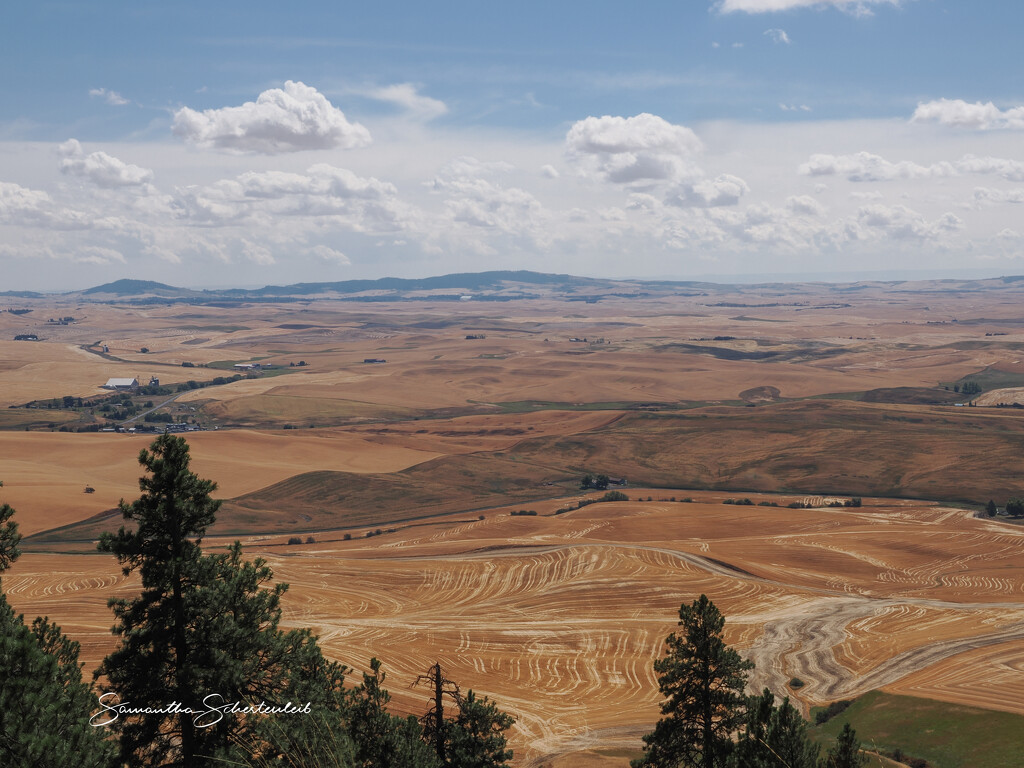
(946, 735)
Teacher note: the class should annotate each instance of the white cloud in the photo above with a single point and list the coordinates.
(329, 254)
(961, 114)
(902, 223)
(805, 205)
(22, 206)
(352, 202)
(257, 253)
(295, 118)
(865, 166)
(93, 254)
(855, 7)
(406, 96)
(724, 190)
(1011, 170)
(101, 169)
(778, 36)
(113, 98)
(633, 150)
(984, 195)
(549, 172)
(794, 108)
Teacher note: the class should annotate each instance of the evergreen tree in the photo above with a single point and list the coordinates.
(476, 738)
(703, 680)
(991, 508)
(787, 739)
(381, 739)
(845, 753)
(44, 705)
(204, 634)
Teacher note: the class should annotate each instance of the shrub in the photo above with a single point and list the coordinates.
(310, 540)
(295, 540)
(347, 537)
(616, 496)
(833, 709)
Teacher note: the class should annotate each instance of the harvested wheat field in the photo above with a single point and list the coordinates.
(559, 617)
(430, 419)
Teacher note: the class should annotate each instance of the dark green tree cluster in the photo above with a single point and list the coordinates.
(703, 680)
(1015, 507)
(596, 482)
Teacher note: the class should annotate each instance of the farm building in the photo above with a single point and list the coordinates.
(117, 384)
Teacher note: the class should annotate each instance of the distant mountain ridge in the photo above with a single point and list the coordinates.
(494, 285)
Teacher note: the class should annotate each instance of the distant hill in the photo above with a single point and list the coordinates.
(137, 288)
(465, 281)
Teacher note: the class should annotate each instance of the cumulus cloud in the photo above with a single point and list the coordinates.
(778, 36)
(113, 98)
(865, 166)
(961, 114)
(22, 206)
(902, 223)
(984, 195)
(709, 193)
(295, 118)
(94, 254)
(329, 254)
(855, 7)
(1011, 170)
(101, 169)
(633, 150)
(407, 96)
(549, 172)
(805, 205)
(352, 202)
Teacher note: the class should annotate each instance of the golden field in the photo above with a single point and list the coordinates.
(776, 393)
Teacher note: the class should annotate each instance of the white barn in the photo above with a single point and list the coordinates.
(121, 384)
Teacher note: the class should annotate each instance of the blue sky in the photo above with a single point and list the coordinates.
(230, 143)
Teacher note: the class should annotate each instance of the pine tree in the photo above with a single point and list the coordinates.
(383, 740)
(703, 680)
(44, 705)
(476, 738)
(845, 753)
(204, 634)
